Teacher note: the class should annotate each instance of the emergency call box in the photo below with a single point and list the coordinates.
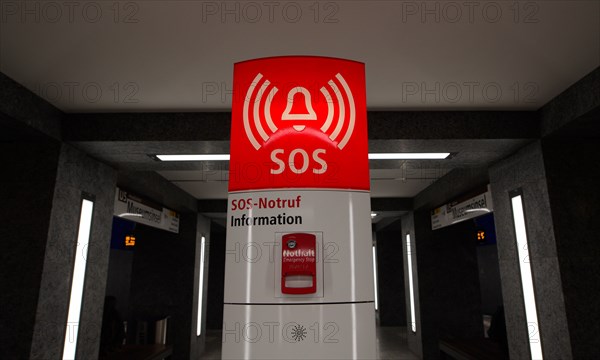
(298, 264)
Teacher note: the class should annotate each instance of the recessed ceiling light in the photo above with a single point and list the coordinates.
(408, 156)
(373, 156)
(194, 157)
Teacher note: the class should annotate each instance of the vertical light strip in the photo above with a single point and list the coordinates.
(83, 238)
(200, 288)
(535, 344)
(413, 321)
(375, 278)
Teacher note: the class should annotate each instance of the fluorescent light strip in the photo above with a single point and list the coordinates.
(375, 278)
(194, 157)
(535, 343)
(408, 156)
(200, 288)
(375, 156)
(74, 314)
(413, 322)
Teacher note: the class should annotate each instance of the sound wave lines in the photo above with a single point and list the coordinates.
(339, 97)
(339, 121)
(255, 103)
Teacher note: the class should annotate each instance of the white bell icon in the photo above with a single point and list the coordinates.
(308, 115)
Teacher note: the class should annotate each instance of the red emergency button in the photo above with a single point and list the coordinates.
(298, 264)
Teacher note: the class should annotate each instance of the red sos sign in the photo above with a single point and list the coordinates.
(299, 122)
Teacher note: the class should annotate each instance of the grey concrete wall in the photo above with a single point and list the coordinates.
(165, 281)
(449, 295)
(76, 173)
(573, 176)
(489, 278)
(42, 198)
(118, 280)
(165, 277)
(216, 279)
(26, 190)
(415, 343)
(525, 170)
(390, 278)
(161, 281)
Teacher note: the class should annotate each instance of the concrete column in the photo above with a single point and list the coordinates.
(525, 170)
(76, 173)
(390, 277)
(44, 198)
(27, 191)
(573, 176)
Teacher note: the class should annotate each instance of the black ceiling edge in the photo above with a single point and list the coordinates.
(579, 100)
(430, 125)
(12, 130)
(156, 188)
(452, 186)
(22, 105)
(391, 224)
(391, 204)
(212, 206)
(382, 125)
(192, 126)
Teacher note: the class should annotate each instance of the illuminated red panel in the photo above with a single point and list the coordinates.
(299, 122)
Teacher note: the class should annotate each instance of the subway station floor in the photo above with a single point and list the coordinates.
(391, 344)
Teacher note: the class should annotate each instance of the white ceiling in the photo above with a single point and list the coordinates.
(179, 55)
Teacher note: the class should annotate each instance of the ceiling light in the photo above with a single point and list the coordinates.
(194, 157)
(373, 156)
(373, 215)
(408, 156)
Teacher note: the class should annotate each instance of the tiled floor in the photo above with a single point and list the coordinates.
(391, 344)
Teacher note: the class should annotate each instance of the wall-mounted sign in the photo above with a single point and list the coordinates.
(131, 207)
(455, 212)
